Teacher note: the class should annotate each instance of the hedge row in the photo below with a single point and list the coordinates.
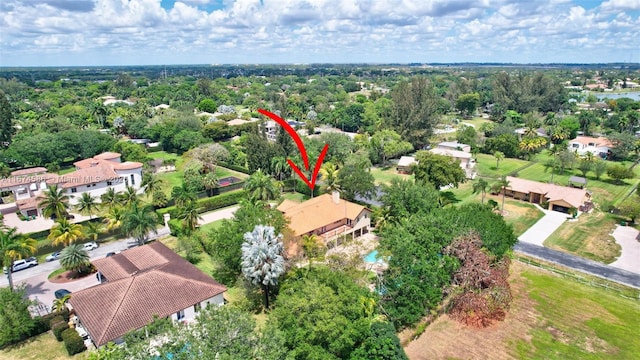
(73, 342)
(211, 203)
(235, 167)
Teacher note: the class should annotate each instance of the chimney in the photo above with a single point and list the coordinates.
(335, 196)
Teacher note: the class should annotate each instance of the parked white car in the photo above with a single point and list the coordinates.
(90, 246)
(22, 264)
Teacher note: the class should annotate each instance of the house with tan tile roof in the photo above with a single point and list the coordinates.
(559, 198)
(327, 216)
(138, 284)
(94, 176)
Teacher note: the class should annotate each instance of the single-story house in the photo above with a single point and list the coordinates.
(558, 198)
(467, 163)
(599, 146)
(405, 164)
(327, 216)
(454, 145)
(138, 284)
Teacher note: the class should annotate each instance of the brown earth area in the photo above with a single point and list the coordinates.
(68, 276)
(448, 339)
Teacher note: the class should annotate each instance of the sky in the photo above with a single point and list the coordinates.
(165, 32)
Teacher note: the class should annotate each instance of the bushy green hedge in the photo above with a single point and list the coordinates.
(235, 167)
(208, 204)
(58, 328)
(73, 342)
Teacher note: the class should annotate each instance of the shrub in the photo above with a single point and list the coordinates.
(58, 328)
(235, 167)
(175, 226)
(73, 342)
(56, 319)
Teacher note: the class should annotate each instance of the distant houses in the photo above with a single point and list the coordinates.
(458, 151)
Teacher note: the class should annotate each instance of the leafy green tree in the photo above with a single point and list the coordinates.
(439, 170)
(66, 233)
(382, 343)
(87, 205)
(14, 246)
(403, 198)
(414, 110)
(207, 105)
(585, 165)
(190, 215)
(129, 197)
(505, 143)
(467, 135)
(481, 187)
(15, 318)
(113, 218)
(262, 261)
(182, 194)
(599, 168)
(467, 103)
(355, 177)
(6, 121)
(55, 202)
(151, 184)
(619, 172)
(75, 258)
(260, 186)
(209, 155)
(131, 151)
(138, 221)
(309, 297)
(386, 144)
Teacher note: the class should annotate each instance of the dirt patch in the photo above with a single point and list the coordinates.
(446, 338)
(68, 276)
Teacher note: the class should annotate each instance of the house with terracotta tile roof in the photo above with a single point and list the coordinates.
(327, 216)
(138, 284)
(598, 146)
(558, 198)
(94, 176)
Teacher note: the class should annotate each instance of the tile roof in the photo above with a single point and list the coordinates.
(35, 170)
(318, 212)
(27, 180)
(107, 156)
(586, 140)
(89, 175)
(574, 196)
(142, 282)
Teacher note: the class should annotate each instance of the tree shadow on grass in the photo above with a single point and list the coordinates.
(448, 197)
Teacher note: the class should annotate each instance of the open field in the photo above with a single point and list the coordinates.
(486, 166)
(588, 237)
(551, 317)
(385, 174)
(42, 347)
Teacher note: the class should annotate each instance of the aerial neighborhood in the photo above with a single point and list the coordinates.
(390, 212)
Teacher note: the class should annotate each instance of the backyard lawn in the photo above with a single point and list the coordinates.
(519, 214)
(41, 347)
(486, 166)
(551, 317)
(588, 237)
(386, 174)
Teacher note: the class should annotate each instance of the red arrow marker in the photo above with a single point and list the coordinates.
(303, 151)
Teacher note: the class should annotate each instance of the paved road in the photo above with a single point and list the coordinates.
(577, 263)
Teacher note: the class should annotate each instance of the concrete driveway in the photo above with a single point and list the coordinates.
(630, 254)
(542, 229)
(40, 289)
(38, 224)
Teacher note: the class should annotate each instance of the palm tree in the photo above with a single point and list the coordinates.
(182, 194)
(74, 258)
(14, 246)
(504, 184)
(499, 155)
(210, 181)
(262, 261)
(87, 205)
(329, 173)
(94, 229)
(64, 232)
(189, 215)
(260, 186)
(109, 199)
(151, 184)
(113, 219)
(60, 304)
(280, 167)
(129, 197)
(481, 186)
(138, 221)
(55, 202)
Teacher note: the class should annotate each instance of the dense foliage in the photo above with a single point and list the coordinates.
(15, 319)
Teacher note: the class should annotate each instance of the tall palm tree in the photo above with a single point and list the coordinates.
(138, 221)
(499, 155)
(14, 246)
(481, 186)
(260, 186)
(151, 184)
(280, 167)
(87, 205)
(113, 219)
(329, 173)
(504, 184)
(210, 181)
(189, 215)
(109, 199)
(129, 197)
(262, 261)
(60, 304)
(64, 232)
(75, 258)
(182, 194)
(94, 229)
(55, 202)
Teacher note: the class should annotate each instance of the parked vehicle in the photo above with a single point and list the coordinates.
(54, 256)
(109, 254)
(90, 246)
(22, 264)
(59, 294)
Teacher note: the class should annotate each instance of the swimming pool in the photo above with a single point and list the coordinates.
(371, 257)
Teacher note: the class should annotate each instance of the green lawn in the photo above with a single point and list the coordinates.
(385, 174)
(520, 215)
(41, 347)
(577, 321)
(210, 226)
(587, 237)
(295, 196)
(486, 166)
